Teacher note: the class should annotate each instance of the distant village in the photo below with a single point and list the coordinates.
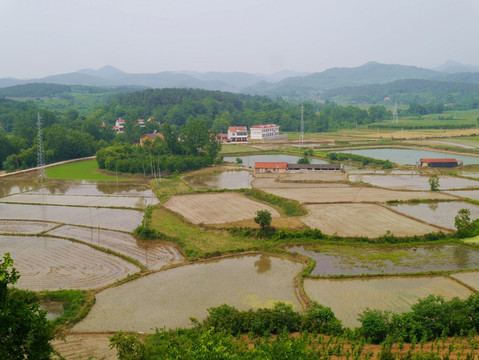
(236, 134)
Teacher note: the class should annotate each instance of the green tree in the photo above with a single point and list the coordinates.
(434, 183)
(263, 218)
(304, 160)
(24, 330)
(462, 220)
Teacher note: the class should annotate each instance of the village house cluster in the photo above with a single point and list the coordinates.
(257, 132)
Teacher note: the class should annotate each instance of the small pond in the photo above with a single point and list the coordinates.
(356, 260)
(409, 156)
(223, 180)
(437, 213)
(249, 161)
(54, 309)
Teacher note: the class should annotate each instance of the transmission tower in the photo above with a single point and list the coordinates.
(40, 153)
(301, 137)
(395, 113)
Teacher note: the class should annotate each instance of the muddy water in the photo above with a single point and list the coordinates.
(115, 219)
(153, 254)
(99, 189)
(54, 309)
(249, 161)
(17, 184)
(409, 156)
(48, 263)
(414, 182)
(24, 227)
(350, 297)
(440, 214)
(79, 200)
(170, 297)
(224, 180)
(355, 260)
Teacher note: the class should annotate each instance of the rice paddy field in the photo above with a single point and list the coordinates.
(350, 297)
(369, 220)
(388, 259)
(437, 213)
(216, 208)
(169, 298)
(81, 170)
(50, 264)
(414, 182)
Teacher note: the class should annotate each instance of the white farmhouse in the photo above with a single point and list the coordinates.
(264, 132)
(237, 133)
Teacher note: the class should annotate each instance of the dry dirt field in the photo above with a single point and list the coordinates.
(153, 254)
(81, 346)
(216, 208)
(362, 220)
(309, 194)
(349, 297)
(51, 264)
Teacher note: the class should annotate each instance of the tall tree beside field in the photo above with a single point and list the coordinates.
(434, 183)
(263, 218)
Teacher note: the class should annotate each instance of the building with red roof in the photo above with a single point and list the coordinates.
(270, 167)
(238, 133)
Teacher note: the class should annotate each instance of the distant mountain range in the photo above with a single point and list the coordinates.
(286, 84)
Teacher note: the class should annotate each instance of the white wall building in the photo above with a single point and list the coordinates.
(237, 133)
(264, 132)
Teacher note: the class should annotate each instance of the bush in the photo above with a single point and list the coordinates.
(375, 325)
(321, 320)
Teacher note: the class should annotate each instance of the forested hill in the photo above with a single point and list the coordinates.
(408, 91)
(315, 84)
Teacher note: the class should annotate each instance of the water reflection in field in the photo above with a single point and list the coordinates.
(355, 260)
(223, 180)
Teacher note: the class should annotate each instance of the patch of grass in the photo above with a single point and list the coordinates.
(81, 170)
(196, 241)
(76, 304)
(166, 187)
(237, 149)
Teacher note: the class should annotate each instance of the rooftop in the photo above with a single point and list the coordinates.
(270, 165)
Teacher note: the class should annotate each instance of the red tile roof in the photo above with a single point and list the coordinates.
(237, 129)
(270, 165)
(263, 126)
(439, 160)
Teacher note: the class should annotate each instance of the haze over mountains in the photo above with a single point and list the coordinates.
(287, 84)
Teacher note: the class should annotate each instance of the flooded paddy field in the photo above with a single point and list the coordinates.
(116, 219)
(223, 180)
(24, 227)
(356, 260)
(369, 220)
(49, 263)
(82, 346)
(471, 194)
(345, 193)
(350, 297)
(437, 213)
(414, 182)
(81, 200)
(169, 298)
(409, 156)
(469, 278)
(94, 189)
(216, 208)
(271, 182)
(249, 160)
(17, 184)
(154, 254)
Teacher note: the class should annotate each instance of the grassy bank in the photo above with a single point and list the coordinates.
(81, 170)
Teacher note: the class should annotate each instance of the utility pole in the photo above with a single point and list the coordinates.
(40, 154)
(301, 137)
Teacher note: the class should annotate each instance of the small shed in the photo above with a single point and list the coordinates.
(443, 163)
(270, 167)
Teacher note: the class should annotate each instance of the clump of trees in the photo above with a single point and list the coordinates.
(263, 218)
(25, 332)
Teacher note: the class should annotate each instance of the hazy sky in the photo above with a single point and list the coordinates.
(46, 37)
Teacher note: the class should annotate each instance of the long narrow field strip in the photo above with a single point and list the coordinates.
(216, 208)
(153, 254)
(414, 182)
(362, 220)
(78, 200)
(82, 346)
(168, 298)
(81, 170)
(100, 189)
(115, 219)
(48, 263)
(24, 227)
(350, 297)
(265, 183)
(351, 194)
